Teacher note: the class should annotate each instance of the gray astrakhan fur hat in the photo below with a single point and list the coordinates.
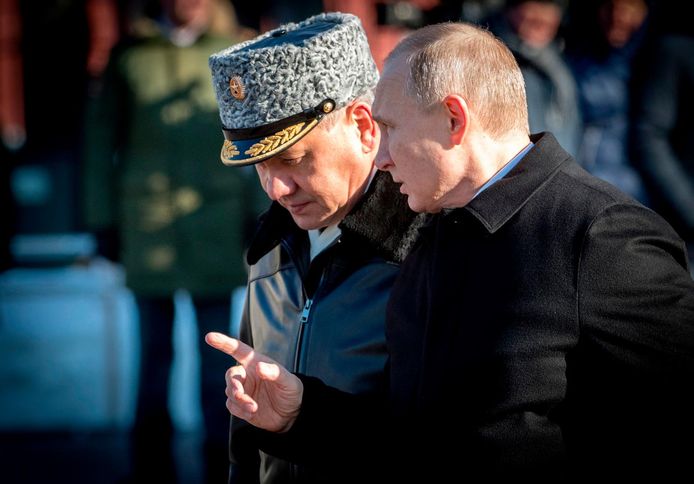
(274, 89)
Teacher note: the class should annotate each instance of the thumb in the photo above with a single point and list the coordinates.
(268, 371)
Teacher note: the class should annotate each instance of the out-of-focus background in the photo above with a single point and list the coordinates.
(80, 102)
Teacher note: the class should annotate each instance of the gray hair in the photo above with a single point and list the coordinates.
(460, 58)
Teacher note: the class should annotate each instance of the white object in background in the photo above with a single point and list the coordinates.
(68, 348)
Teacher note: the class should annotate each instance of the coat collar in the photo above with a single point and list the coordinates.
(381, 219)
(498, 203)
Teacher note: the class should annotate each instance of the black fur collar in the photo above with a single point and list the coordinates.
(382, 218)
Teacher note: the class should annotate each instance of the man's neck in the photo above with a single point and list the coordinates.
(485, 157)
(322, 237)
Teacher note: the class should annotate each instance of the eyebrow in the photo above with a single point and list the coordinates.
(293, 152)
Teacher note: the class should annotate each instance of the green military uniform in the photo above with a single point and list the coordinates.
(152, 175)
(152, 170)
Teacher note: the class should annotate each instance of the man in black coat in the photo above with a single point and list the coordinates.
(662, 145)
(543, 325)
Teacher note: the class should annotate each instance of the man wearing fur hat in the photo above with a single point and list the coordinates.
(296, 103)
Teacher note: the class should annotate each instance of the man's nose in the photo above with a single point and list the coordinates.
(383, 160)
(278, 186)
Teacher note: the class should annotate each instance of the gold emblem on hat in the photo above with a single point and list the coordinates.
(238, 90)
(229, 150)
(327, 107)
(271, 142)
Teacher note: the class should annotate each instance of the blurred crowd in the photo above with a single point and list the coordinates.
(109, 127)
(608, 77)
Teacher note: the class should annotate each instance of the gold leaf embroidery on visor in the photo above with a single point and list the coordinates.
(229, 150)
(273, 141)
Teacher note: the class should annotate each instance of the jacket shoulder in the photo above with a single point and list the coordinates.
(270, 263)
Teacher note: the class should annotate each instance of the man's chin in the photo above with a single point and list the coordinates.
(308, 223)
(415, 206)
(317, 218)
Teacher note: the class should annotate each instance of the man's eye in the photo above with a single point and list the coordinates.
(292, 161)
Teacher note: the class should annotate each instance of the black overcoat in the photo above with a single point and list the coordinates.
(546, 329)
(553, 327)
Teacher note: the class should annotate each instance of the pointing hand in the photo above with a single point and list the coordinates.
(258, 389)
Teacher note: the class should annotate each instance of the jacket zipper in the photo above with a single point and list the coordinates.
(306, 311)
(294, 469)
(303, 321)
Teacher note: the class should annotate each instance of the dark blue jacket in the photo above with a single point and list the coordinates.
(326, 317)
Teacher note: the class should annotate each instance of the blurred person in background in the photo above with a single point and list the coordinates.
(605, 37)
(12, 122)
(162, 205)
(264, 15)
(325, 255)
(530, 28)
(386, 22)
(662, 141)
(39, 167)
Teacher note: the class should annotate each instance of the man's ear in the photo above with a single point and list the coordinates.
(360, 114)
(458, 117)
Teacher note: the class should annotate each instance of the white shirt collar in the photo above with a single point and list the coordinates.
(321, 239)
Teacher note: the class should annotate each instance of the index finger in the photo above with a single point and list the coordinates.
(240, 351)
